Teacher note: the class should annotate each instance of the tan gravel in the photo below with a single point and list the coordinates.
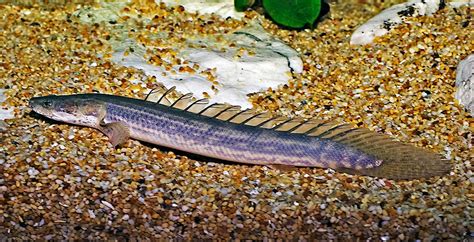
(59, 181)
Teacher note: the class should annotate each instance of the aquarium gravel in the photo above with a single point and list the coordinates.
(59, 181)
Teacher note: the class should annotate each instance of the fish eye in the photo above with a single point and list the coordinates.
(47, 104)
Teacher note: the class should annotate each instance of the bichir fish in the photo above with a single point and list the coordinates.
(242, 138)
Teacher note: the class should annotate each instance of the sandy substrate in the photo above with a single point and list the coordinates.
(59, 181)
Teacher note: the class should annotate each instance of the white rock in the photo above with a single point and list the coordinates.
(107, 204)
(5, 111)
(2, 96)
(106, 13)
(111, 11)
(91, 213)
(269, 66)
(393, 16)
(223, 8)
(266, 62)
(32, 171)
(465, 83)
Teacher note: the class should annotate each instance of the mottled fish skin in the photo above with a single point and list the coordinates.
(198, 134)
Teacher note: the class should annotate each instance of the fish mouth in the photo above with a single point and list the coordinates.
(33, 103)
(41, 105)
(38, 110)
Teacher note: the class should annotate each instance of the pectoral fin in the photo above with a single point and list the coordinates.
(117, 132)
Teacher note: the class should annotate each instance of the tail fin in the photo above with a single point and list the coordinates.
(400, 161)
(406, 169)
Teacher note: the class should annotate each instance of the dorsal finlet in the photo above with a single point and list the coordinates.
(315, 128)
(338, 126)
(149, 93)
(282, 123)
(267, 121)
(237, 114)
(197, 102)
(297, 126)
(252, 117)
(224, 110)
(182, 97)
(214, 105)
(166, 93)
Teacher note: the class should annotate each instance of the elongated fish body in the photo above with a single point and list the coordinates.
(122, 117)
(215, 138)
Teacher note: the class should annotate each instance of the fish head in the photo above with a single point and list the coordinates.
(73, 109)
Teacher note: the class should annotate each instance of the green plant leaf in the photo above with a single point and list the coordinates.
(293, 13)
(242, 5)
